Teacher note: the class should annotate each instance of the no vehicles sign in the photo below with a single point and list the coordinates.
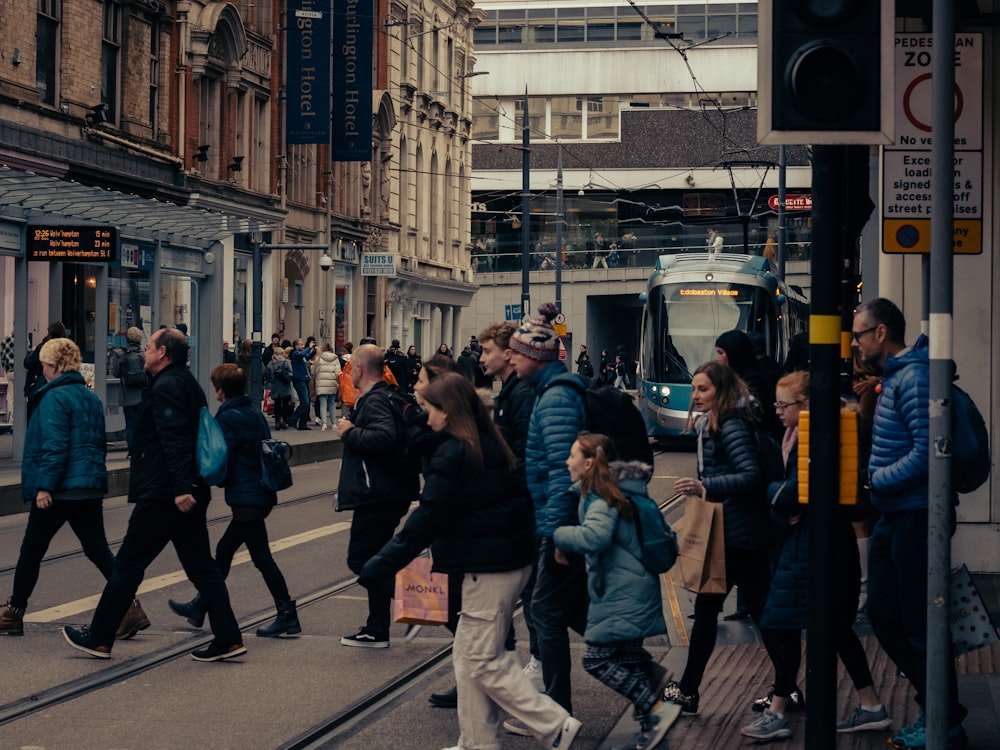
(906, 185)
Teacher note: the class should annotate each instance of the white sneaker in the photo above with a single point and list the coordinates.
(325, 428)
(533, 670)
(570, 729)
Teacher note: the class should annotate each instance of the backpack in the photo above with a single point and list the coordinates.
(657, 539)
(613, 413)
(212, 452)
(970, 444)
(282, 373)
(772, 464)
(412, 419)
(134, 370)
(275, 473)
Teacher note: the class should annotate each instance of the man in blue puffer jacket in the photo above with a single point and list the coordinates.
(897, 471)
(559, 600)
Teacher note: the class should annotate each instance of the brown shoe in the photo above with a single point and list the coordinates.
(11, 621)
(133, 621)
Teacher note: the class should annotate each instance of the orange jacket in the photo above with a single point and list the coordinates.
(348, 394)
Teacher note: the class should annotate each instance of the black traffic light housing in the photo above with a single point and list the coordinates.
(825, 72)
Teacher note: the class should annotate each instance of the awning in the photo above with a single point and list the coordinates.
(29, 197)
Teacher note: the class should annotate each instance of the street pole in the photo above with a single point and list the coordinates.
(525, 210)
(782, 193)
(940, 511)
(257, 334)
(559, 226)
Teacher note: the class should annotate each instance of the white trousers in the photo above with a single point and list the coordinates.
(490, 679)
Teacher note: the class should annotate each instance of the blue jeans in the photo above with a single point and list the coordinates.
(327, 408)
(300, 417)
(897, 600)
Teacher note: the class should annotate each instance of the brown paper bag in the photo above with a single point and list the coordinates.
(701, 564)
(420, 597)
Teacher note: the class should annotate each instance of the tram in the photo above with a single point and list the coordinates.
(690, 300)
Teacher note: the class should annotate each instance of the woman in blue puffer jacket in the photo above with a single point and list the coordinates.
(625, 598)
(244, 427)
(63, 474)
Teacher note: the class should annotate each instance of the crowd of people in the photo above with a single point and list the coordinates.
(550, 524)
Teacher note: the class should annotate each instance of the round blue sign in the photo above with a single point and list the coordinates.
(907, 236)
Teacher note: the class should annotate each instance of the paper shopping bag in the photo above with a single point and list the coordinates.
(971, 626)
(701, 563)
(421, 597)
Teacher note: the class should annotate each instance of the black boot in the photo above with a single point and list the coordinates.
(447, 699)
(286, 623)
(192, 610)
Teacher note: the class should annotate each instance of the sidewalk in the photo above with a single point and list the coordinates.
(308, 446)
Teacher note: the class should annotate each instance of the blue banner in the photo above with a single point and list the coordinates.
(353, 32)
(307, 118)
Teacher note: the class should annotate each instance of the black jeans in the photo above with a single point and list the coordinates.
(131, 416)
(254, 535)
(85, 517)
(371, 527)
(559, 602)
(897, 601)
(749, 570)
(154, 524)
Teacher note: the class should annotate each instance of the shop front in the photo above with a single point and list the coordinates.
(162, 267)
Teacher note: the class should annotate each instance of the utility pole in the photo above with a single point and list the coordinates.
(559, 226)
(525, 210)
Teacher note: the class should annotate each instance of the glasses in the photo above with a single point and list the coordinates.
(781, 405)
(856, 335)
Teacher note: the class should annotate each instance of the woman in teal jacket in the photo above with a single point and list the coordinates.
(64, 478)
(625, 599)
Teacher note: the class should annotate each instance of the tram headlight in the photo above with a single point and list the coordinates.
(664, 390)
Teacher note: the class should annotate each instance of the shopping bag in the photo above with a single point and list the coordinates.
(701, 562)
(421, 597)
(971, 626)
(268, 405)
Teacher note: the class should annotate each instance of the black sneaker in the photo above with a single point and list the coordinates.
(215, 651)
(364, 639)
(796, 701)
(82, 640)
(688, 703)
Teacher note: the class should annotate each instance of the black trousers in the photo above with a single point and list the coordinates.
(371, 527)
(254, 535)
(154, 524)
(85, 517)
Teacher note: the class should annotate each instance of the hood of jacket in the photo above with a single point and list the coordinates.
(328, 357)
(632, 476)
(918, 353)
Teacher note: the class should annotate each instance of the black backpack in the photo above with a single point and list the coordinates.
(612, 412)
(772, 463)
(134, 370)
(412, 419)
(970, 443)
(275, 472)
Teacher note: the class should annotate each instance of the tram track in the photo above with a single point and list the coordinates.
(213, 521)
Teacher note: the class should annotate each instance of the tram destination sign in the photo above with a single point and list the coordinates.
(77, 244)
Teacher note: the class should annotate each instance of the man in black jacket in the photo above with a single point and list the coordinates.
(171, 501)
(375, 483)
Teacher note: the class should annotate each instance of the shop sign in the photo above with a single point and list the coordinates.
(378, 264)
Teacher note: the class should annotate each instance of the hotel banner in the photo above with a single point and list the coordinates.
(308, 96)
(353, 30)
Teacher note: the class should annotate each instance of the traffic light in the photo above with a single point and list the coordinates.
(825, 71)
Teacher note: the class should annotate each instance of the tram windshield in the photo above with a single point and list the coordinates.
(683, 321)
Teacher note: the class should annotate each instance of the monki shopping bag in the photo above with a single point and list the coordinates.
(701, 563)
(421, 597)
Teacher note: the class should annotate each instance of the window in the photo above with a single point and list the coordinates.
(485, 119)
(111, 48)
(47, 50)
(567, 120)
(154, 78)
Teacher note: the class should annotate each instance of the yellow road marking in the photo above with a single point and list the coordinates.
(69, 609)
(675, 612)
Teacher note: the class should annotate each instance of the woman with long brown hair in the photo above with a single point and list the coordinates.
(478, 523)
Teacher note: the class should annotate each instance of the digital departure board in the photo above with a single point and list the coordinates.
(76, 244)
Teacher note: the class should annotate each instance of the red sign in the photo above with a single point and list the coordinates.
(799, 202)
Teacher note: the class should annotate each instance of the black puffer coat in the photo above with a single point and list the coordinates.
(165, 441)
(512, 413)
(244, 427)
(473, 521)
(729, 467)
(372, 469)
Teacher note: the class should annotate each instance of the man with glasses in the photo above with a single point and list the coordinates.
(897, 475)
